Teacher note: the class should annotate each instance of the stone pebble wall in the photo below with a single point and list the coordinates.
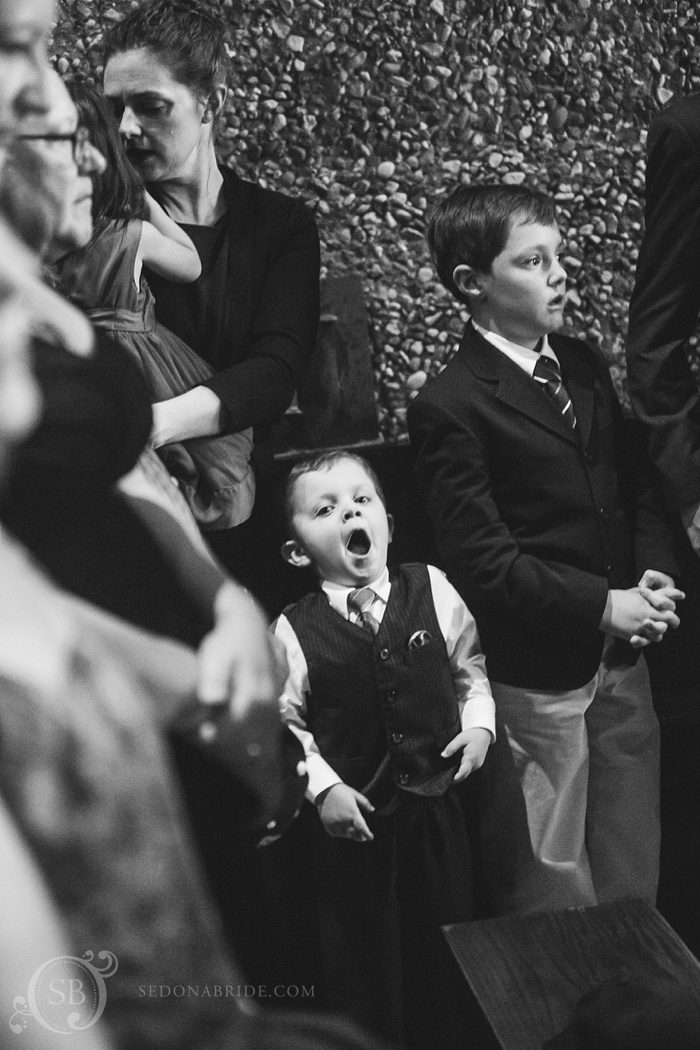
(369, 109)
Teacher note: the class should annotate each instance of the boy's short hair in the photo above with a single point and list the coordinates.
(472, 223)
(323, 461)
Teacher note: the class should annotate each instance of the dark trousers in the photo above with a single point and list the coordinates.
(384, 960)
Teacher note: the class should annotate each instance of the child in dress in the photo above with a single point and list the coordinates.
(387, 691)
(131, 230)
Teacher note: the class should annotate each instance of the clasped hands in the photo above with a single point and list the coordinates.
(642, 614)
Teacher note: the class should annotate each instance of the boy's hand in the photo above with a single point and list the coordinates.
(474, 744)
(632, 616)
(661, 592)
(340, 809)
(655, 580)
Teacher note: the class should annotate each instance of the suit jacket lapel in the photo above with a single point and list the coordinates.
(514, 387)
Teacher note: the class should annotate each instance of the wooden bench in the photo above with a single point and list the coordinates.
(527, 972)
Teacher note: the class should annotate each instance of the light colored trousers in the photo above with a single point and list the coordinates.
(570, 812)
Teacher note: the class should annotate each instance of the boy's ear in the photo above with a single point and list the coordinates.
(468, 280)
(295, 555)
(390, 523)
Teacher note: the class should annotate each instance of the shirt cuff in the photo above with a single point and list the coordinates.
(479, 711)
(321, 776)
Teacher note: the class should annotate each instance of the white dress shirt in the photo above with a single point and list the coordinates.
(467, 662)
(522, 356)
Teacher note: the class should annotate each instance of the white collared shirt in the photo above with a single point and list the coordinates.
(522, 356)
(467, 663)
(338, 597)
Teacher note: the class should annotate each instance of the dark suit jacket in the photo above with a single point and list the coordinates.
(534, 521)
(253, 312)
(666, 300)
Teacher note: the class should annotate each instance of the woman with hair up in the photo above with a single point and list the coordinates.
(105, 278)
(253, 312)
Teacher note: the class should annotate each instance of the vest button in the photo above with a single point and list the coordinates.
(384, 654)
(390, 695)
(403, 778)
(397, 737)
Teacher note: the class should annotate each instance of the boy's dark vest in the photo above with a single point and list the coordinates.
(381, 711)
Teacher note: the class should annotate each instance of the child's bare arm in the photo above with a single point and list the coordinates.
(474, 744)
(340, 809)
(166, 248)
(196, 413)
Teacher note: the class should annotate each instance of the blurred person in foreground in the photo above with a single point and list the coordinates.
(24, 69)
(32, 929)
(89, 497)
(103, 516)
(88, 782)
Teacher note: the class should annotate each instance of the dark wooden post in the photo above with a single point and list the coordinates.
(335, 403)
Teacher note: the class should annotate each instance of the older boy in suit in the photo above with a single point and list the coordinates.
(542, 520)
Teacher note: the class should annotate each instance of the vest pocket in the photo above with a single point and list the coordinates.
(423, 653)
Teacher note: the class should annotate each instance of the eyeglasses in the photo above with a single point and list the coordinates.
(79, 140)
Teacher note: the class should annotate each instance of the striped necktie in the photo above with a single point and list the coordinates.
(548, 375)
(360, 601)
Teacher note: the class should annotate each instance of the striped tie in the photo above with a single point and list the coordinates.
(548, 375)
(360, 602)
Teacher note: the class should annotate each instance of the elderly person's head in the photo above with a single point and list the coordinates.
(46, 199)
(164, 76)
(24, 32)
(46, 190)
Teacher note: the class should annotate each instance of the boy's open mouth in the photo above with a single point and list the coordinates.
(359, 542)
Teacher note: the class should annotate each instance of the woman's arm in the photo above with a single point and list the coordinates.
(283, 335)
(259, 389)
(277, 341)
